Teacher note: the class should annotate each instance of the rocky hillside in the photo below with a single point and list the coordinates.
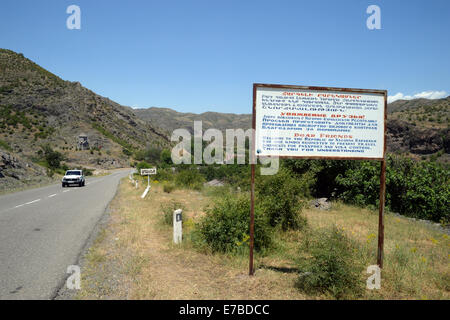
(16, 172)
(170, 120)
(418, 127)
(37, 107)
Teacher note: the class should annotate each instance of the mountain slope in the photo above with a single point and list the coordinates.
(37, 107)
(170, 120)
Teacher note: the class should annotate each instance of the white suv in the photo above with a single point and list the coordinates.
(73, 177)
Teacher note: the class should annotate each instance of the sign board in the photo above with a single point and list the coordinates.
(319, 122)
(148, 171)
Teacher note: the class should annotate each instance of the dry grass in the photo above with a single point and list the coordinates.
(136, 251)
(416, 263)
(151, 267)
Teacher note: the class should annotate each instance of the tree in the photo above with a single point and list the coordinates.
(166, 157)
(53, 158)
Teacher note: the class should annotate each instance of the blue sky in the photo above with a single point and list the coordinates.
(197, 56)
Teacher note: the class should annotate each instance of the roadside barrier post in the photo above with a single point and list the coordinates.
(177, 226)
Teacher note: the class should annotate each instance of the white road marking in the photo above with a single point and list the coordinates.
(33, 201)
(66, 191)
(20, 205)
(52, 195)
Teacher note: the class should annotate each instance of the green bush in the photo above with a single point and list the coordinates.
(126, 152)
(87, 172)
(280, 198)
(416, 189)
(361, 185)
(165, 158)
(142, 165)
(190, 178)
(321, 174)
(168, 209)
(428, 193)
(151, 155)
(50, 173)
(228, 173)
(164, 174)
(226, 226)
(329, 264)
(168, 187)
(5, 145)
(52, 158)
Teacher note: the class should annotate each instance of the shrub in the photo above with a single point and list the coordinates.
(330, 265)
(126, 152)
(142, 165)
(168, 187)
(5, 145)
(417, 189)
(226, 227)
(166, 157)
(151, 155)
(53, 158)
(190, 178)
(50, 173)
(280, 198)
(87, 172)
(164, 174)
(168, 209)
(361, 185)
(321, 174)
(428, 193)
(234, 174)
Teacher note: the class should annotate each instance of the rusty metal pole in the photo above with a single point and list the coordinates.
(252, 218)
(381, 214)
(253, 160)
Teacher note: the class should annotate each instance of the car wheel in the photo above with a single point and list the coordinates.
(63, 185)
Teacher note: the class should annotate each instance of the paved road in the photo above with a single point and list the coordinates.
(42, 232)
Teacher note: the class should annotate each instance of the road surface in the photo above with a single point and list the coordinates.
(43, 231)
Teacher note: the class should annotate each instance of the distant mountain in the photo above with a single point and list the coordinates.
(419, 127)
(37, 107)
(170, 120)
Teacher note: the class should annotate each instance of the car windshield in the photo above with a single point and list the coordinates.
(73, 173)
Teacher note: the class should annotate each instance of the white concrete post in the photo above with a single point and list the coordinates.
(177, 226)
(145, 192)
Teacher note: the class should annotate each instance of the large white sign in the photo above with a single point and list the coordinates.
(297, 122)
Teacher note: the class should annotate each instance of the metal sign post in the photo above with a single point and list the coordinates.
(252, 219)
(336, 117)
(381, 214)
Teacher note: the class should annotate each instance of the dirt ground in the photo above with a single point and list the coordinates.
(134, 257)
